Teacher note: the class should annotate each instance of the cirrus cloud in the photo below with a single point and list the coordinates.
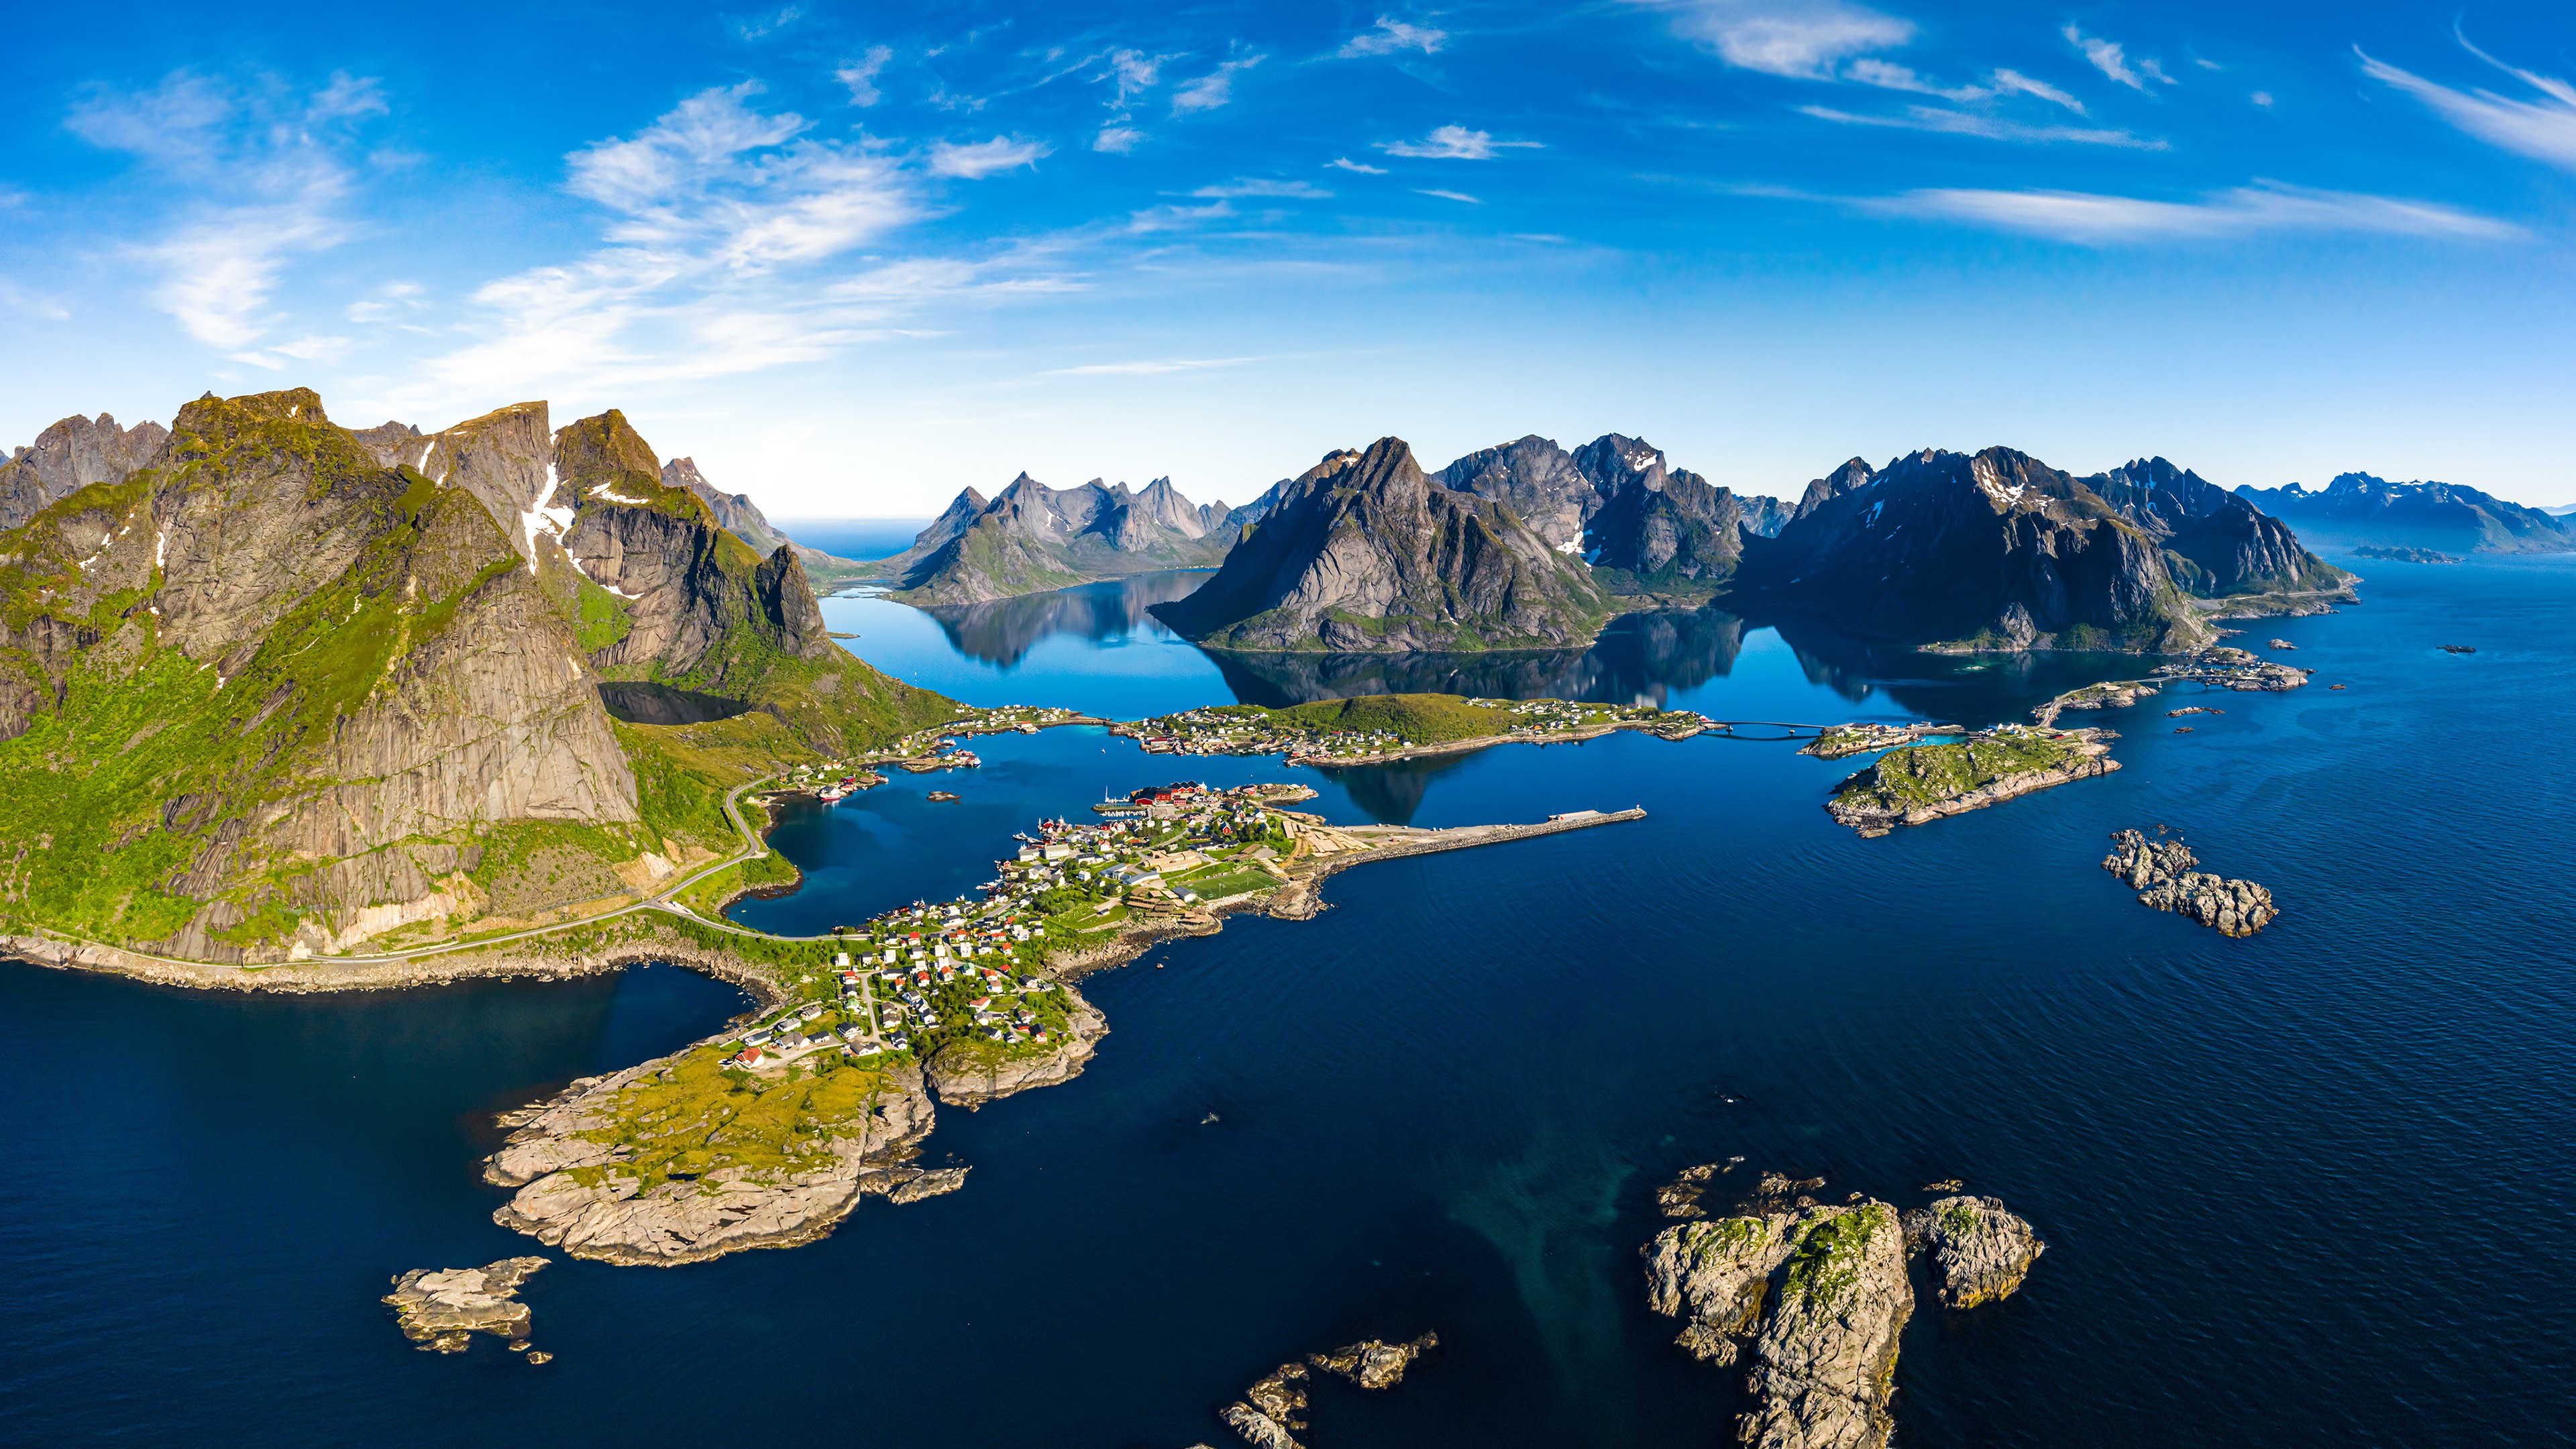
(2543, 129)
(2096, 219)
(978, 159)
(1454, 143)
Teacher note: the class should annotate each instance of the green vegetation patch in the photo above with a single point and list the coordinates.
(698, 1116)
(1421, 718)
(1920, 775)
(1827, 1259)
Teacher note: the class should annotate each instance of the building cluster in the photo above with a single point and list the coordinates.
(924, 971)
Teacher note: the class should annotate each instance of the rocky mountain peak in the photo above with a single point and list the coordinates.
(69, 456)
(1366, 553)
(605, 452)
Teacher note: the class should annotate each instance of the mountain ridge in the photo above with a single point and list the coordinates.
(2358, 509)
(1030, 538)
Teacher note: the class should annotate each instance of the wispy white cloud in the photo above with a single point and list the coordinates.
(1261, 186)
(2015, 82)
(1174, 218)
(1450, 195)
(1392, 35)
(754, 27)
(1887, 75)
(980, 159)
(861, 75)
(263, 171)
(1345, 163)
(1806, 39)
(1970, 123)
(2543, 129)
(1148, 368)
(391, 301)
(1454, 143)
(2096, 219)
(1135, 73)
(1213, 89)
(1117, 140)
(2112, 59)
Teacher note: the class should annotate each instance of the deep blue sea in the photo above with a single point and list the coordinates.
(2310, 1188)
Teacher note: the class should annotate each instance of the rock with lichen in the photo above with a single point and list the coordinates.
(1978, 1251)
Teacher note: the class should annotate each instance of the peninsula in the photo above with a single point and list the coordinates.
(1377, 729)
(770, 1135)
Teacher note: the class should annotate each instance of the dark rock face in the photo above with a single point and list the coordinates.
(2215, 542)
(1030, 538)
(1365, 554)
(1537, 480)
(1997, 549)
(70, 456)
(1616, 502)
(2357, 509)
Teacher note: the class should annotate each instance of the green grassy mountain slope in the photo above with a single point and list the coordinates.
(271, 696)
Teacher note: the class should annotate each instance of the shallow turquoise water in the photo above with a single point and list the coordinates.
(2309, 1188)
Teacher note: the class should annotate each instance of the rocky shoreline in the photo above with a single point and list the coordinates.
(1877, 800)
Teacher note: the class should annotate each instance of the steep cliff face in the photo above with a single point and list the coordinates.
(1365, 554)
(691, 605)
(1029, 538)
(1536, 479)
(2357, 510)
(2215, 542)
(1995, 550)
(70, 456)
(275, 696)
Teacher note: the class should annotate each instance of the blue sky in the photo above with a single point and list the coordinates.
(855, 258)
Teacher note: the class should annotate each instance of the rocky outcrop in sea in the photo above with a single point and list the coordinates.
(2160, 871)
(1812, 1297)
(965, 1077)
(1978, 1251)
(1276, 1405)
(441, 1309)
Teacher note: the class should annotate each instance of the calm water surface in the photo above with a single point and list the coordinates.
(2306, 1189)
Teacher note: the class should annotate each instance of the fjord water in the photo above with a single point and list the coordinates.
(2307, 1188)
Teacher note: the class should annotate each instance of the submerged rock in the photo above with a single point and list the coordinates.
(2160, 871)
(1373, 1364)
(1979, 1251)
(441, 1309)
(1680, 1197)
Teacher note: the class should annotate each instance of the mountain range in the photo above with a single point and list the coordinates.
(1029, 538)
(278, 687)
(1998, 550)
(2358, 510)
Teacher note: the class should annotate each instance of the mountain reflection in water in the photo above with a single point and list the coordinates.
(1004, 631)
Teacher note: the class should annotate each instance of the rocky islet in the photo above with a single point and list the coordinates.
(441, 1309)
(2161, 871)
(1813, 1297)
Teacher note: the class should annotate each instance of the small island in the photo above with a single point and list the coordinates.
(1918, 784)
(2405, 555)
(1377, 729)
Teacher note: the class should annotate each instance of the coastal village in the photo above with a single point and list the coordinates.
(969, 972)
